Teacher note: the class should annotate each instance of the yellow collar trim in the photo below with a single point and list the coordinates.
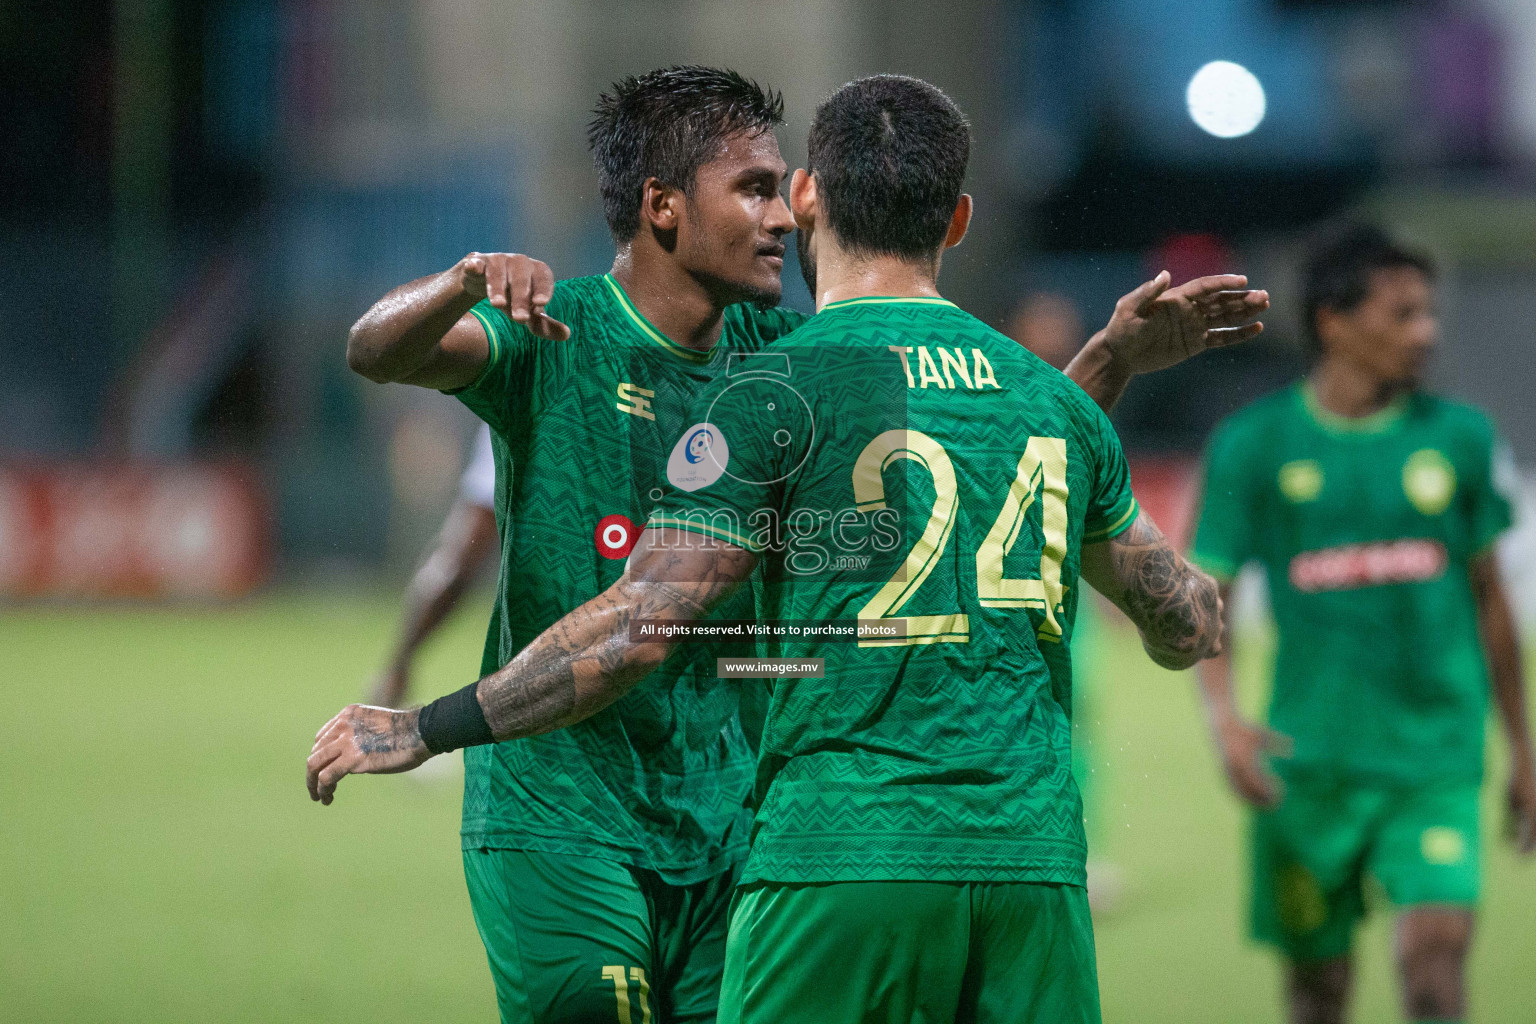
(1378, 422)
(886, 300)
(692, 355)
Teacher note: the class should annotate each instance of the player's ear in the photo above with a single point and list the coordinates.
(1330, 326)
(659, 205)
(959, 223)
(802, 199)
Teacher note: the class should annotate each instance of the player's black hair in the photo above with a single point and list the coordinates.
(889, 155)
(1338, 270)
(666, 124)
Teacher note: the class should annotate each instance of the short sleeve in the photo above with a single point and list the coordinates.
(503, 385)
(1111, 505)
(478, 485)
(726, 477)
(1224, 537)
(1492, 493)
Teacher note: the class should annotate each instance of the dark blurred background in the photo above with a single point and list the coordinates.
(202, 195)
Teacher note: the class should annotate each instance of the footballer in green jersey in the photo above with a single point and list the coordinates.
(1372, 508)
(918, 849)
(634, 822)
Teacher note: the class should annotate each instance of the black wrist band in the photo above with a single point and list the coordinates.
(454, 721)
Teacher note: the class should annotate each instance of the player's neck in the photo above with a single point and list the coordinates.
(1345, 391)
(671, 299)
(840, 277)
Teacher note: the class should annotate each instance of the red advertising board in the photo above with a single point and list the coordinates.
(92, 530)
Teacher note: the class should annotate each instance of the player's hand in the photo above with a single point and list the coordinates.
(1522, 804)
(518, 284)
(363, 740)
(1244, 748)
(1155, 327)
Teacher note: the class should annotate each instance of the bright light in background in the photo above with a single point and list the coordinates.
(1225, 99)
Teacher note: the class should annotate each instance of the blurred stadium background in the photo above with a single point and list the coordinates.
(205, 518)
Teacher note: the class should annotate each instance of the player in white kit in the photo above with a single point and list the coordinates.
(466, 541)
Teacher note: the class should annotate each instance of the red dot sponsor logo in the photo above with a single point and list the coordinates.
(615, 536)
(1368, 565)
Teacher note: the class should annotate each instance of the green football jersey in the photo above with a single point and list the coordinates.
(903, 467)
(662, 779)
(1365, 529)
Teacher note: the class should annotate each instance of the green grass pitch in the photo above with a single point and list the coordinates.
(162, 862)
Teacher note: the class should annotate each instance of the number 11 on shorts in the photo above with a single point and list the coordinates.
(615, 974)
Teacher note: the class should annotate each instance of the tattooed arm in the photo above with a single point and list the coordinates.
(588, 659)
(573, 670)
(1174, 605)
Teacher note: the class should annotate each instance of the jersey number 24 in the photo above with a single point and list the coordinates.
(1042, 468)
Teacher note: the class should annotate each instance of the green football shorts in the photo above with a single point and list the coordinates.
(915, 952)
(1312, 853)
(578, 940)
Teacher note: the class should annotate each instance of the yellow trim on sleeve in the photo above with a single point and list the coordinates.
(491, 333)
(1114, 529)
(493, 339)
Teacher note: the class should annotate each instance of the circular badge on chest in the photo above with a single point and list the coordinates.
(1301, 480)
(699, 457)
(1429, 481)
(615, 536)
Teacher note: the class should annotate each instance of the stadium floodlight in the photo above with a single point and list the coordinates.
(1225, 99)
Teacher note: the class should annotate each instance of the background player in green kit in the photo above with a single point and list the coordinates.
(600, 859)
(1373, 508)
(918, 853)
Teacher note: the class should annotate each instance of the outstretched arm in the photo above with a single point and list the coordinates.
(1502, 649)
(422, 333)
(573, 670)
(1155, 327)
(1175, 606)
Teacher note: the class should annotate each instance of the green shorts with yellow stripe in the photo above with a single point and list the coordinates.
(1313, 853)
(583, 940)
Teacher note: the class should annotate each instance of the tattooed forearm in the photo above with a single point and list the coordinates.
(399, 732)
(587, 660)
(1174, 605)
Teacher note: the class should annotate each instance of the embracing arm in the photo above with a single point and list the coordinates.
(1501, 646)
(1174, 605)
(574, 669)
(423, 333)
(588, 659)
(1155, 327)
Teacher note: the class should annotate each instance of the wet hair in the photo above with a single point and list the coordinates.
(889, 154)
(666, 124)
(1338, 271)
